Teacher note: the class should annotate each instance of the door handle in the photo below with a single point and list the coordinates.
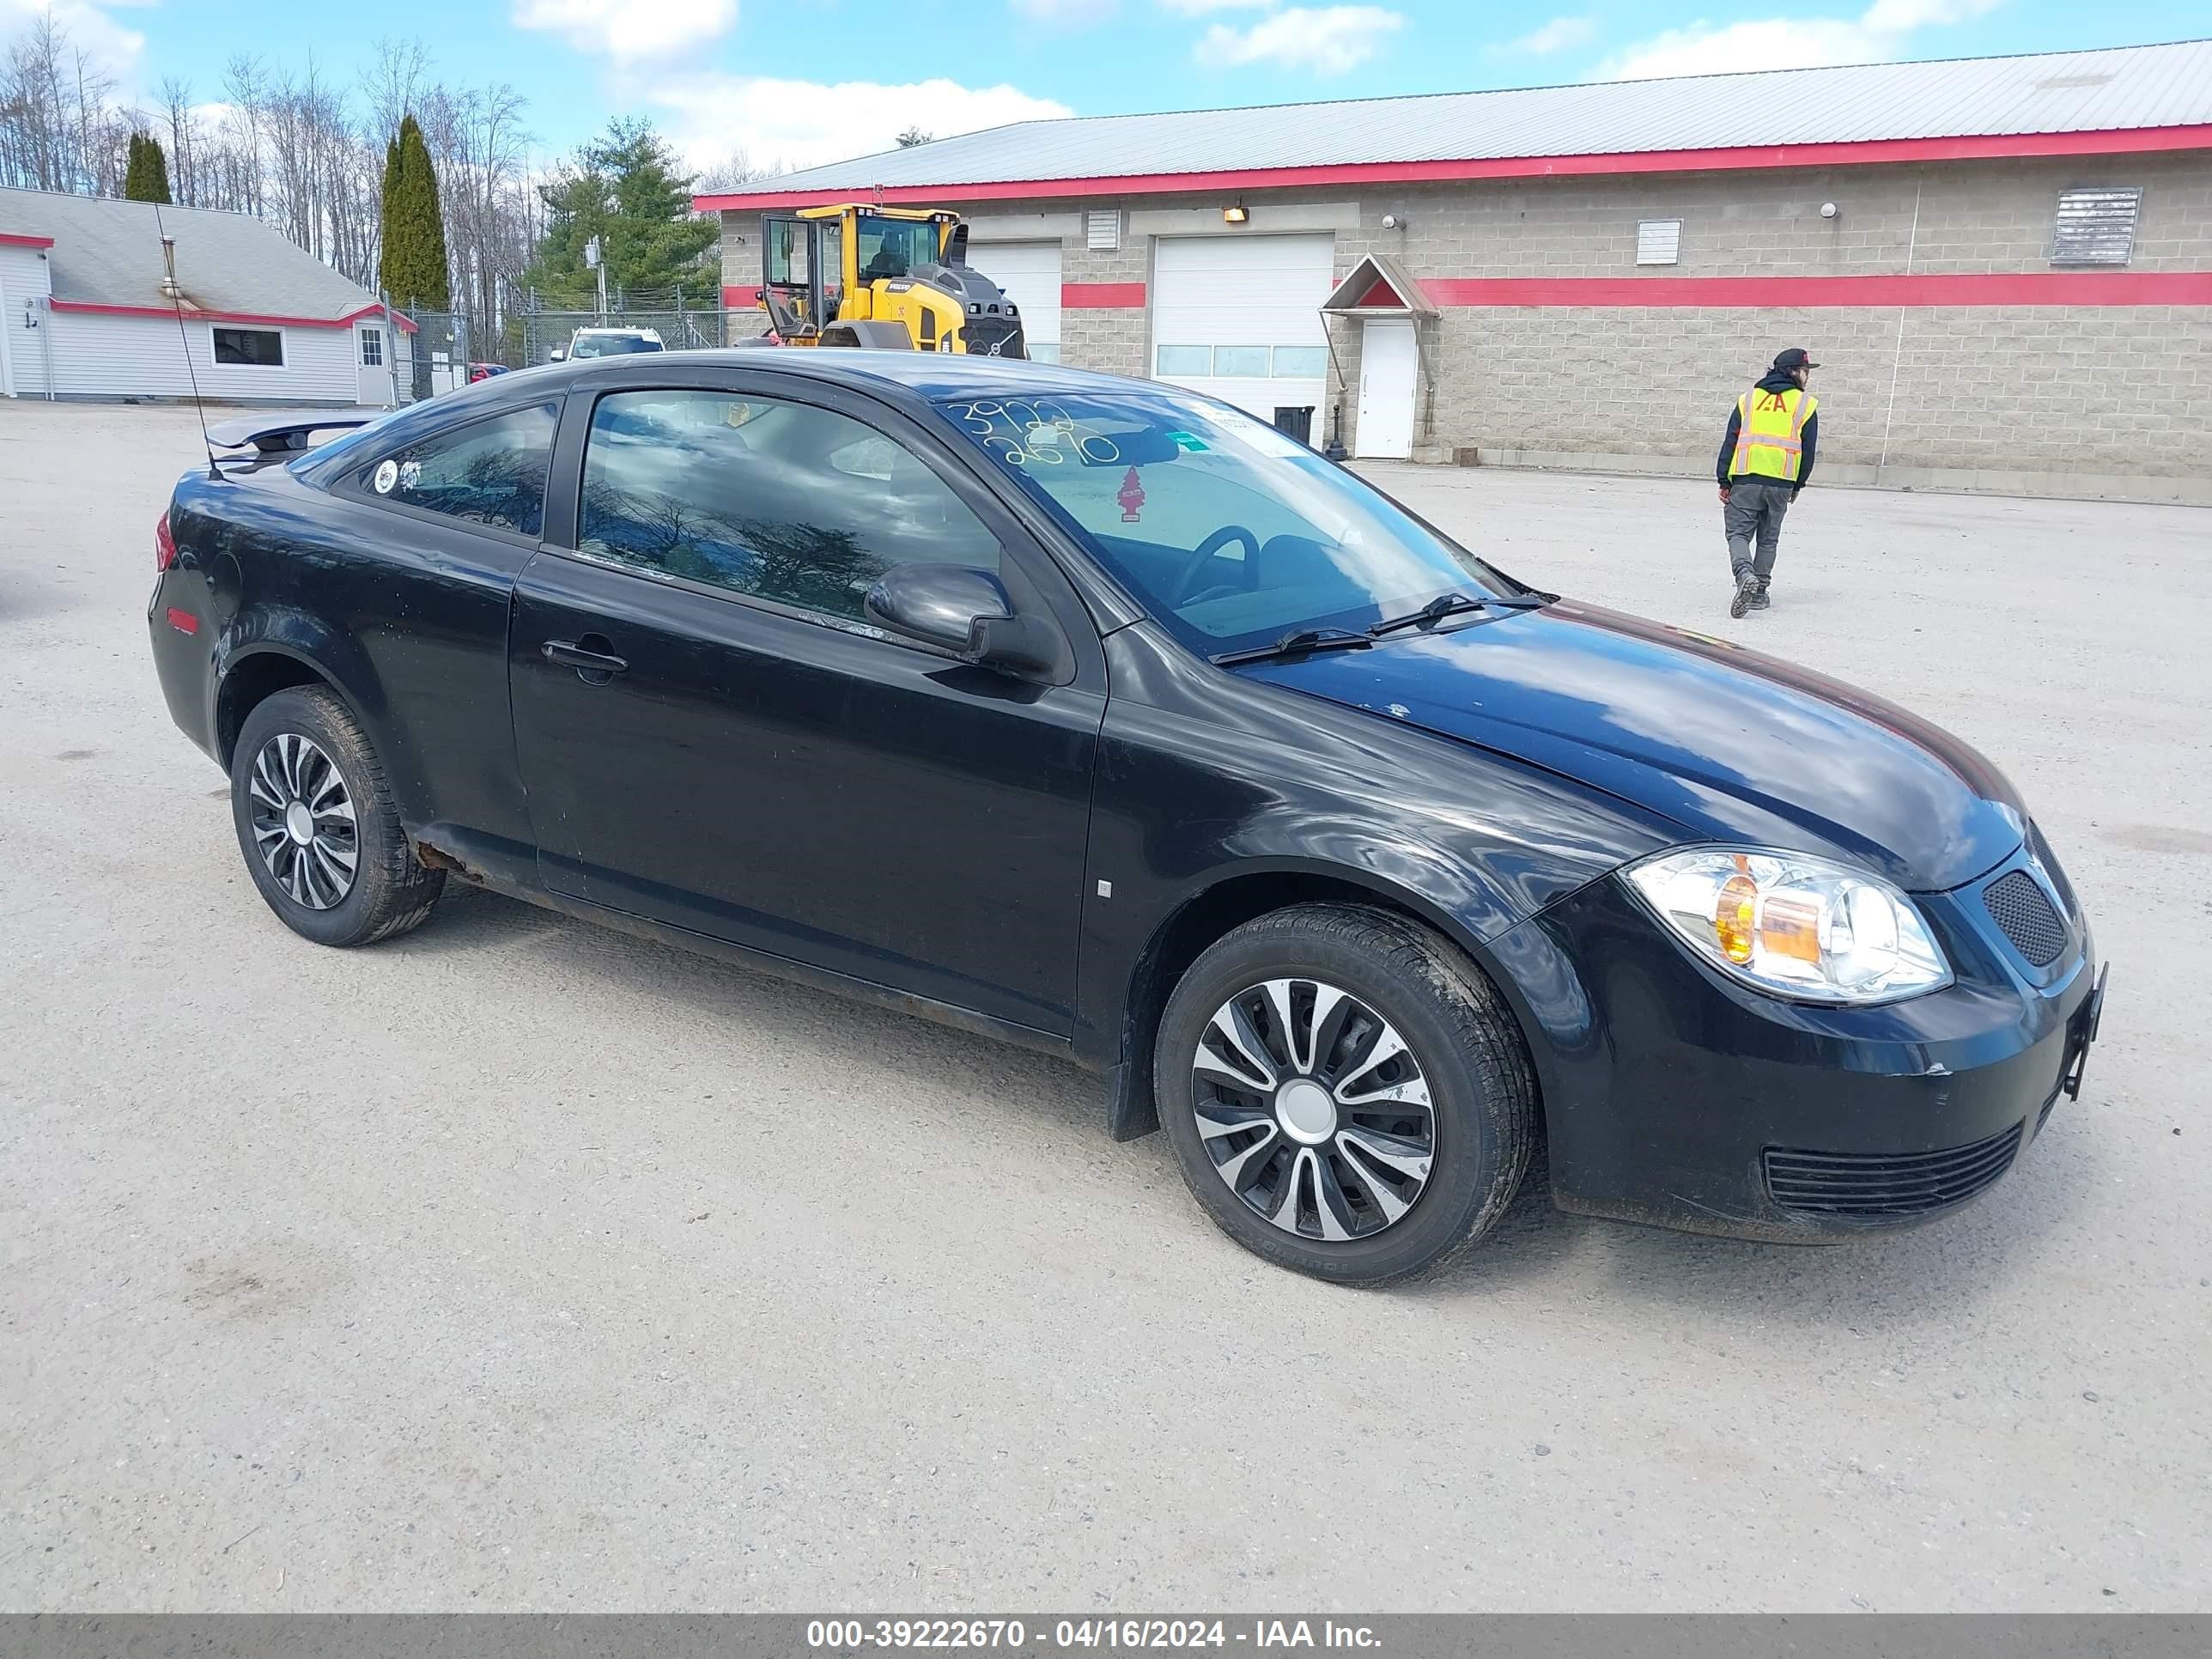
(579, 655)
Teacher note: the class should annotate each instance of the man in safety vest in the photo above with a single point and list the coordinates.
(1765, 460)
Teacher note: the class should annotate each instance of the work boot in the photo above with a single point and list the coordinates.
(1747, 585)
(1759, 599)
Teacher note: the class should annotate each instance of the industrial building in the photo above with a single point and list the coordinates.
(2004, 265)
(86, 310)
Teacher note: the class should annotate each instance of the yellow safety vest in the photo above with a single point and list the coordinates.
(1770, 431)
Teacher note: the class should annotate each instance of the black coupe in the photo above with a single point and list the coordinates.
(1102, 718)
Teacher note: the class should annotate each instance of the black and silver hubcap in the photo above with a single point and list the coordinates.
(303, 821)
(1315, 1111)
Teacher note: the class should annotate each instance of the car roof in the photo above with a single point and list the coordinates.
(928, 376)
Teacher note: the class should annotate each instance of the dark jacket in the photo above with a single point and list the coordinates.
(1774, 380)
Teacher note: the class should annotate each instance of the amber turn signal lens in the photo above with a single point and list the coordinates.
(1733, 916)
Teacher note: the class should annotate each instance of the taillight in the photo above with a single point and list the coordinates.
(165, 544)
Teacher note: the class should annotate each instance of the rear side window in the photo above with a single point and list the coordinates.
(780, 500)
(489, 472)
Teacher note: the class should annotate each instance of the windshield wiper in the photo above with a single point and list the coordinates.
(1444, 605)
(1450, 604)
(1296, 643)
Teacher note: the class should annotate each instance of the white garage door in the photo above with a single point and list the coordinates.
(1239, 318)
(1029, 273)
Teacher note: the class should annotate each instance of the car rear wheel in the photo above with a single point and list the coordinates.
(317, 824)
(1347, 1094)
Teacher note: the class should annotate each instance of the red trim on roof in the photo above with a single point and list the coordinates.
(13, 239)
(1099, 296)
(1860, 152)
(398, 321)
(2041, 287)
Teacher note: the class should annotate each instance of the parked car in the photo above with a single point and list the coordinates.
(484, 371)
(608, 343)
(1100, 717)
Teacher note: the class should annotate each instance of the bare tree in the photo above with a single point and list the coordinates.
(736, 170)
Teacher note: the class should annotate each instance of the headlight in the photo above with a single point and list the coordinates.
(1795, 925)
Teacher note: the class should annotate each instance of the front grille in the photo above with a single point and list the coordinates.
(2019, 906)
(1886, 1184)
(2049, 861)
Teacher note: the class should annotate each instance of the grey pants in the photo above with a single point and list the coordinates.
(1753, 514)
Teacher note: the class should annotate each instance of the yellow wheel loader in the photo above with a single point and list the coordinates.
(847, 275)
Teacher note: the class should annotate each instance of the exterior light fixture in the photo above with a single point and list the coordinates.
(1236, 214)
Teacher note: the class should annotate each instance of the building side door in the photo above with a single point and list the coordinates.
(1388, 362)
(372, 354)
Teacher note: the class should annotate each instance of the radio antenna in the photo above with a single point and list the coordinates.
(176, 293)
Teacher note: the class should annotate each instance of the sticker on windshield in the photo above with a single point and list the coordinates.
(387, 474)
(1188, 441)
(410, 474)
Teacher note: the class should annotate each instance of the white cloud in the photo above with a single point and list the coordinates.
(1065, 13)
(117, 50)
(1326, 39)
(630, 29)
(1876, 35)
(1560, 35)
(1200, 8)
(802, 124)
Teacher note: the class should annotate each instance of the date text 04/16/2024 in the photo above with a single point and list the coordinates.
(853, 1635)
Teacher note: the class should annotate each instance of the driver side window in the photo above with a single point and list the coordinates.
(776, 501)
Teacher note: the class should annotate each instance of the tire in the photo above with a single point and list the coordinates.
(1243, 1149)
(293, 745)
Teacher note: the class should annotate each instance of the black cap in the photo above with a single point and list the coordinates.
(1795, 358)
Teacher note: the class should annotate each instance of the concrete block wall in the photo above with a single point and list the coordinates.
(2058, 397)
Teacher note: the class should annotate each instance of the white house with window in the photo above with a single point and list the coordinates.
(87, 310)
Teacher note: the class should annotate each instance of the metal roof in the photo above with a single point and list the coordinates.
(2115, 89)
(108, 253)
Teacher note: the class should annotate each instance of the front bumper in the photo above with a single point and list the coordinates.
(1674, 1096)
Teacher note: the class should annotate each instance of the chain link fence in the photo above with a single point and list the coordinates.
(446, 351)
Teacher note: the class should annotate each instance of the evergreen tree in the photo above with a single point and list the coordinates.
(624, 188)
(413, 267)
(384, 214)
(146, 171)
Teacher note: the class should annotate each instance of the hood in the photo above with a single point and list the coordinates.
(1775, 381)
(1732, 745)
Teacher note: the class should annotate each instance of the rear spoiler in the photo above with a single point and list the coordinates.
(278, 435)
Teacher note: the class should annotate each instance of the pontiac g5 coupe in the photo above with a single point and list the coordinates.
(1101, 717)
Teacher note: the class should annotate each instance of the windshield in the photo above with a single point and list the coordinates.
(1231, 534)
(894, 247)
(611, 345)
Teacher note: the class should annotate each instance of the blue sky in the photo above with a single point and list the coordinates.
(801, 82)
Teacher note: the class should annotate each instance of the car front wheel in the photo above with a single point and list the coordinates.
(316, 821)
(1347, 1094)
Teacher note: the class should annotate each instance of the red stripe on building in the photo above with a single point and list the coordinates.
(1861, 153)
(366, 314)
(2046, 288)
(737, 299)
(1099, 296)
(13, 239)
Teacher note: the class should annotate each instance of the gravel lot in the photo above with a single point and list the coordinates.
(517, 1264)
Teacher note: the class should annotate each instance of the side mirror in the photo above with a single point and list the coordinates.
(958, 608)
(947, 605)
(558, 355)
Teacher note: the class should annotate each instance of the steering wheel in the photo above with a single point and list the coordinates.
(1180, 593)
